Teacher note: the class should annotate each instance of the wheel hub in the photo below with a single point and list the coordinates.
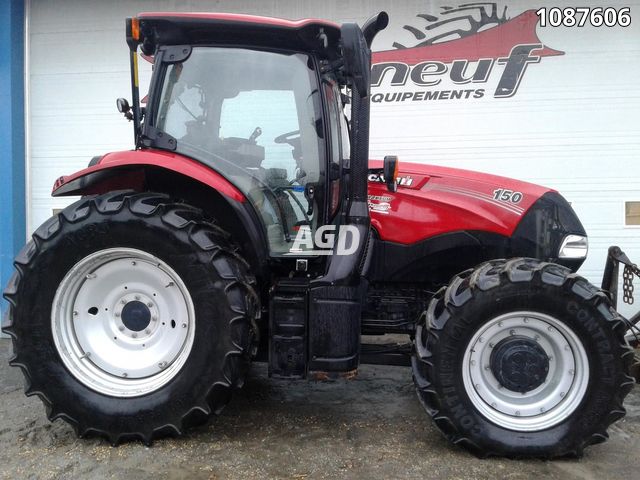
(519, 364)
(136, 316)
(525, 371)
(123, 322)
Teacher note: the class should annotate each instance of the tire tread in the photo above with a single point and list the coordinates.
(236, 276)
(491, 275)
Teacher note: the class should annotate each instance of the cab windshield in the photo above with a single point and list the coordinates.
(255, 117)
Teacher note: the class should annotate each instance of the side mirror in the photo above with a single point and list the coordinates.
(124, 108)
(390, 172)
(123, 105)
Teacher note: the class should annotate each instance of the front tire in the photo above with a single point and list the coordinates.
(522, 358)
(131, 316)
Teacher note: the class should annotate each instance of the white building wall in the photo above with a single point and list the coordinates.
(573, 125)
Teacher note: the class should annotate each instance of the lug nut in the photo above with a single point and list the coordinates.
(147, 331)
(512, 332)
(562, 394)
(473, 362)
(75, 314)
(149, 304)
(125, 375)
(154, 319)
(134, 335)
(121, 328)
(481, 339)
(500, 324)
(526, 320)
(184, 325)
(162, 364)
(123, 301)
(517, 413)
(491, 345)
(137, 297)
(133, 263)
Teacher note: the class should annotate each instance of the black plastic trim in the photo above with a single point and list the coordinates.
(542, 229)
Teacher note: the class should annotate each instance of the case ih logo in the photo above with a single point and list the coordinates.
(470, 52)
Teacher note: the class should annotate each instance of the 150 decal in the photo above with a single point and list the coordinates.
(509, 196)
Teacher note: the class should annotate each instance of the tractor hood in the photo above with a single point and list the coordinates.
(434, 200)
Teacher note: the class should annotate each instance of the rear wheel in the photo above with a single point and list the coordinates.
(131, 316)
(513, 356)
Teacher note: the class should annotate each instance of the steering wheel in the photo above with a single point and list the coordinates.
(292, 138)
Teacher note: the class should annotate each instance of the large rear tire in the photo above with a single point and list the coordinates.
(522, 358)
(131, 316)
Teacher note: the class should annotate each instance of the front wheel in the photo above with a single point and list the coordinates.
(523, 359)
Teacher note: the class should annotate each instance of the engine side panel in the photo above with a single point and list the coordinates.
(432, 201)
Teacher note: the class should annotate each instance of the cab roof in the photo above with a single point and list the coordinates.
(179, 28)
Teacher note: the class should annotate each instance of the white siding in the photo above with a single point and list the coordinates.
(574, 124)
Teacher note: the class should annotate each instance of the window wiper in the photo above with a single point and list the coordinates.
(186, 109)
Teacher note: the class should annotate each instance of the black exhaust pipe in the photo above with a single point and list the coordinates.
(335, 300)
(356, 41)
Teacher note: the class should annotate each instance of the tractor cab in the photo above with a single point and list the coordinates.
(265, 112)
(256, 117)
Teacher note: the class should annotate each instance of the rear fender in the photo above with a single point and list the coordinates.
(121, 170)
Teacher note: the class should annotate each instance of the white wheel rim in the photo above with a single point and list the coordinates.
(99, 315)
(543, 407)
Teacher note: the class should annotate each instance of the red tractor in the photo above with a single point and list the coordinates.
(248, 223)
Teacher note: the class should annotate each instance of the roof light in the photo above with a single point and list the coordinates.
(135, 28)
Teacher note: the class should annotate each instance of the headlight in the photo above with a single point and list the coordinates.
(551, 231)
(574, 246)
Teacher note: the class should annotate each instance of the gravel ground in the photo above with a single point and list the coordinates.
(371, 427)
